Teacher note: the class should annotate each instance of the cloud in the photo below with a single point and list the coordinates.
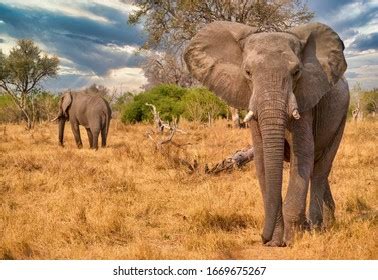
(365, 42)
(357, 23)
(2, 40)
(91, 39)
(351, 75)
(122, 79)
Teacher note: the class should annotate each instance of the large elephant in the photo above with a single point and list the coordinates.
(293, 86)
(87, 109)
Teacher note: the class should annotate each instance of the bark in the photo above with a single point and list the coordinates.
(237, 160)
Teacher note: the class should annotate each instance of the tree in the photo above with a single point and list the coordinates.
(22, 71)
(170, 24)
(164, 68)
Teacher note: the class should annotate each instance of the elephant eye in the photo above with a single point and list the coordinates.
(248, 73)
(297, 73)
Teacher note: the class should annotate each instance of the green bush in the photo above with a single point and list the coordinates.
(9, 112)
(367, 100)
(200, 104)
(172, 102)
(166, 98)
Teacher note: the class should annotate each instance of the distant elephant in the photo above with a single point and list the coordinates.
(87, 109)
(293, 86)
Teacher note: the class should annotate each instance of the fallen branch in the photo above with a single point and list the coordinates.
(237, 160)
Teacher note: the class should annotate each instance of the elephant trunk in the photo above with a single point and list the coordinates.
(272, 118)
(62, 122)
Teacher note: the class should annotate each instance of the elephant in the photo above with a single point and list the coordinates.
(297, 98)
(87, 109)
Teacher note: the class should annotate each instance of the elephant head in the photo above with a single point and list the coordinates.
(276, 76)
(64, 104)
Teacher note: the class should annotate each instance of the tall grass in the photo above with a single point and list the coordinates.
(129, 201)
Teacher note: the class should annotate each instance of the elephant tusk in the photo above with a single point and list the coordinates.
(296, 114)
(248, 117)
(53, 120)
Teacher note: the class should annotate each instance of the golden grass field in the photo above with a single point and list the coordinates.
(129, 201)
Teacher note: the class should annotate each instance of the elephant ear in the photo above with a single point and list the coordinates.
(66, 101)
(214, 57)
(323, 63)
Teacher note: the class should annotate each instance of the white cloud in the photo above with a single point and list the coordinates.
(116, 4)
(122, 79)
(75, 8)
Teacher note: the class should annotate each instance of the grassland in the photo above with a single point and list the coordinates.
(129, 201)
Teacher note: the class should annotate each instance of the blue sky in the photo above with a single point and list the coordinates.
(95, 44)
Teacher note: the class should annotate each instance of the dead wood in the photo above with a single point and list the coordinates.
(164, 134)
(235, 161)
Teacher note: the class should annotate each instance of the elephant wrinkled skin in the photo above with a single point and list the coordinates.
(293, 86)
(87, 109)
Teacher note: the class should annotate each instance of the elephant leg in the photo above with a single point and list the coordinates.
(95, 133)
(301, 143)
(277, 238)
(322, 205)
(103, 136)
(76, 132)
(90, 137)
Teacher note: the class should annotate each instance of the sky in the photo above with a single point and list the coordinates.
(96, 45)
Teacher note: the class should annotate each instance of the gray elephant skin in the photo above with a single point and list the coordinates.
(293, 86)
(87, 109)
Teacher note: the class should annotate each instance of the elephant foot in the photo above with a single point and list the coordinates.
(79, 146)
(292, 227)
(277, 238)
(274, 243)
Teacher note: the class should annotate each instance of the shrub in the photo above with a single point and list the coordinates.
(45, 106)
(9, 112)
(195, 104)
(166, 98)
(200, 104)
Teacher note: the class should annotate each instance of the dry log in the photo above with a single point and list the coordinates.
(237, 160)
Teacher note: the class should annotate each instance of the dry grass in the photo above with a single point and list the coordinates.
(129, 202)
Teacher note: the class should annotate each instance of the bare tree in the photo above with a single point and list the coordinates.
(166, 68)
(170, 24)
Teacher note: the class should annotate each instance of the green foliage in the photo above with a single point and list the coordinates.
(367, 100)
(200, 104)
(21, 73)
(166, 98)
(8, 110)
(172, 102)
(121, 101)
(45, 107)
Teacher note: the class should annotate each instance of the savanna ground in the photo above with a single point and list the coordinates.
(128, 201)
